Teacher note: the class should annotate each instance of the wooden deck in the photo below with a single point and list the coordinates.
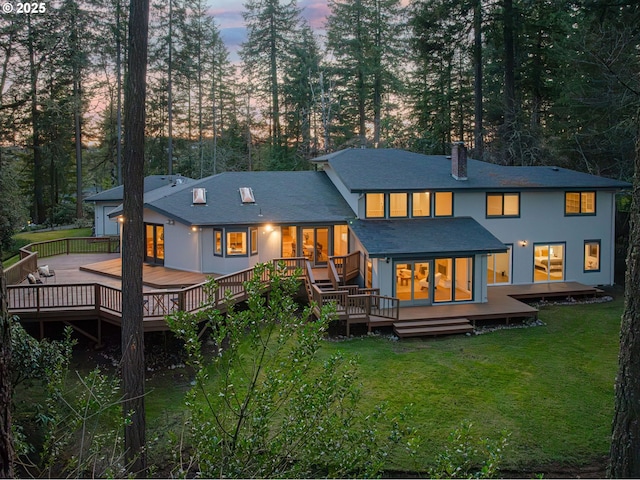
(154, 276)
(504, 303)
(88, 286)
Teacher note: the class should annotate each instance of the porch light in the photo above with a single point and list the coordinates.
(268, 227)
(121, 219)
(194, 229)
(523, 243)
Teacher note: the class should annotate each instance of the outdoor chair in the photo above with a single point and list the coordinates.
(33, 280)
(45, 272)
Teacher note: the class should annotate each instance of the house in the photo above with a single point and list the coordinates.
(105, 201)
(430, 229)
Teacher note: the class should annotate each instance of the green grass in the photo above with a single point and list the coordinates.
(550, 387)
(42, 236)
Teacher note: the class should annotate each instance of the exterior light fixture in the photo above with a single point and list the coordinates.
(268, 227)
(194, 229)
(523, 243)
(121, 219)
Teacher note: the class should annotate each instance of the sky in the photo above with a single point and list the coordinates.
(228, 16)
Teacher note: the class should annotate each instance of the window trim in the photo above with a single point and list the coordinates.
(220, 252)
(253, 243)
(384, 205)
(501, 195)
(227, 243)
(406, 204)
(429, 206)
(580, 212)
(584, 255)
(435, 204)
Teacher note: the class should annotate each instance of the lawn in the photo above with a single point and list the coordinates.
(26, 238)
(43, 236)
(550, 387)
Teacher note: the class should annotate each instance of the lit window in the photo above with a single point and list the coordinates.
(254, 240)
(503, 204)
(217, 242)
(580, 203)
(236, 243)
(592, 256)
(398, 205)
(443, 204)
(374, 205)
(421, 205)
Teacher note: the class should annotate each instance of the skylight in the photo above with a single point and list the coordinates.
(246, 195)
(199, 196)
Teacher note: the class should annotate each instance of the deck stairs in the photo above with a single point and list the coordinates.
(432, 327)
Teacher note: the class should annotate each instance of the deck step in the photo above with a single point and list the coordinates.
(434, 322)
(419, 328)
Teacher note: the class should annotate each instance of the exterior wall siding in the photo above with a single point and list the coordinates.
(542, 220)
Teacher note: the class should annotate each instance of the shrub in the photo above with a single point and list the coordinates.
(265, 406)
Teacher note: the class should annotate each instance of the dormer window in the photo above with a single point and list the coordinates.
(246, 195)
(199, 196)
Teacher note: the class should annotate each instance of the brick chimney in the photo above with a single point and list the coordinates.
(458, 161)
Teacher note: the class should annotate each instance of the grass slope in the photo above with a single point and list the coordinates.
(44, 235)
(550, 386)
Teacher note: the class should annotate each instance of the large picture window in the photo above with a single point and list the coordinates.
(503, 204)
(580, 203)
(236, 243)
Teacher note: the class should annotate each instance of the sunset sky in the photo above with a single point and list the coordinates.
(228, 16)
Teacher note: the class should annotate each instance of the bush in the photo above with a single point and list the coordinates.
(14, 248)
(265, 406)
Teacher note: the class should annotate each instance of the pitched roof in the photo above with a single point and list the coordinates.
(151, 182)
(363, 170)
(425, 237)
(302, 197)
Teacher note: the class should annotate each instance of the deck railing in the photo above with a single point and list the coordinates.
(353, 302)
(159, 303)
(29, 254)
(345, 267)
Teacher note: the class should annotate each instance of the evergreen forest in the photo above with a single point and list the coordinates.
(521, 82)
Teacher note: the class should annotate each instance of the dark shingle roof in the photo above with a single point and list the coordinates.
(425, 237)
(364, 170)
(281, 197)
(151, 182)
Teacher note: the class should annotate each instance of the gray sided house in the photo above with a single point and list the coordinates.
(429, 229)
(106, 201)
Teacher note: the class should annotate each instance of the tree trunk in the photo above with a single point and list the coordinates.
(477, 83)
(625, 441)
(509, 82)
(6, 440)
(39, 214)
(133, 375)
